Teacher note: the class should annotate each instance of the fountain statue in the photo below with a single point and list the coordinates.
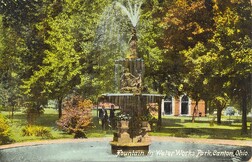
(133, 126)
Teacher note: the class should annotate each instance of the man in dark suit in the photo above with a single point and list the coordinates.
(112, 116)
(104, 117)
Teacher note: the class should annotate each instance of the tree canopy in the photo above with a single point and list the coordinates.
(48, 49)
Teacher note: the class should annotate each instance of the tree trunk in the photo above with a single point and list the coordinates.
(206, 107)
(195, 111)
(244, 114)
(9, 110)
(219, 110)
(60, 106)
(12, 111)
(159, 114)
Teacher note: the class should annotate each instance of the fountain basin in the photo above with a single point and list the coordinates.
(123, 99)
(135, 101)
(132, 94)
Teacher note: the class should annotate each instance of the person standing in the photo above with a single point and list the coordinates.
(112, 116)
(104, 117)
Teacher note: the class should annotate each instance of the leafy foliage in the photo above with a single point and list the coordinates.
(11, 47)
(76, 116)
(230, 45)
(4, 130)
(36, 131)
(48, 49)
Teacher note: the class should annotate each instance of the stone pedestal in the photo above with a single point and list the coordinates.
(122, 136)
(123, 145)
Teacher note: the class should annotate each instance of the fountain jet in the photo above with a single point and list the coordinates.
(132, 13)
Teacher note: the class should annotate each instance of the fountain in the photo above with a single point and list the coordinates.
(133, 127)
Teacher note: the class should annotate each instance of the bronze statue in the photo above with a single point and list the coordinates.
(133, 44)
(130, 83)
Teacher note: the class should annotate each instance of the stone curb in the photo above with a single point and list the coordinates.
(154, 138)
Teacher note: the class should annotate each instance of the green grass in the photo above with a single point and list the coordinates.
(48, 120)
(171, 126)
(183, 127)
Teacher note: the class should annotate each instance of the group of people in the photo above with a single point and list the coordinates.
(107, 121)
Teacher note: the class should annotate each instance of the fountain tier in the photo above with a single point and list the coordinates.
(126, 100)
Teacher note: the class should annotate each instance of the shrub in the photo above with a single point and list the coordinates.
(76, 116)
(43, 132)
(36, 131)
(4, 130)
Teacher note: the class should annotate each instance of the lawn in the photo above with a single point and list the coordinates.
(201, 128)
(46, 120)
(171, 126)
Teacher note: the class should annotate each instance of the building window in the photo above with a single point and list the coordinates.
(168, 105)
(184, 105)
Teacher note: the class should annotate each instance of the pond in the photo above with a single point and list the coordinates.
(101, 151)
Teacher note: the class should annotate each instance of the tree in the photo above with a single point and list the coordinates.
(26, 45)
(195, 84)
(68, 31)
(231, 44)
(178, 31)
(11, 67)
(224, 60)
(149, 47)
